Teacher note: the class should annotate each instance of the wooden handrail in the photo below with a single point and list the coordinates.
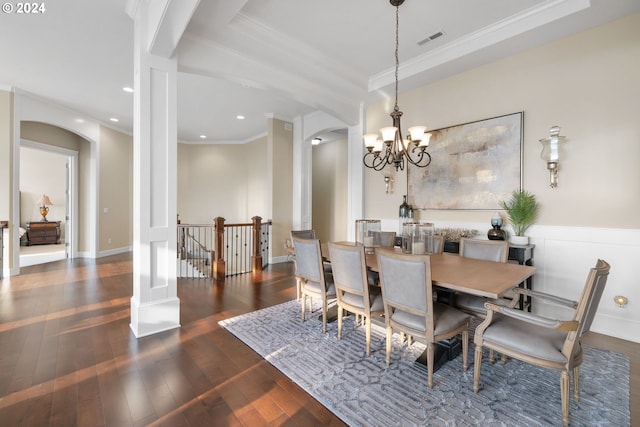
(219, 265)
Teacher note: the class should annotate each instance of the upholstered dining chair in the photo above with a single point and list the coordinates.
(314, 280)
(385, 239)
(352, 289)
(437, 245)
(303, 234)
(407, 294)
(541, 341)
(488, 250)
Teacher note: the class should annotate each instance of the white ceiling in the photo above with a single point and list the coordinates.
(277, 57)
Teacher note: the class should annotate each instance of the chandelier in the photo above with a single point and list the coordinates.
(392, 148)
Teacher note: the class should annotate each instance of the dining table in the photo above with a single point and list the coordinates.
(473, 276)
(453, 273)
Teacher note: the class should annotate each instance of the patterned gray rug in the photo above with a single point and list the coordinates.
(363, 391)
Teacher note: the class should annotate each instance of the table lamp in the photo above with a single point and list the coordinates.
(44, 202)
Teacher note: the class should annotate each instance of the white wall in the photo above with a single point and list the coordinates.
(329, 195)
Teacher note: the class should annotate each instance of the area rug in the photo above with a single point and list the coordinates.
(363, 391)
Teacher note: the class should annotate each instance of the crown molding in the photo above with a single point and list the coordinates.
(505, 29)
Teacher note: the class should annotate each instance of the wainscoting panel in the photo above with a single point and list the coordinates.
(563, 256)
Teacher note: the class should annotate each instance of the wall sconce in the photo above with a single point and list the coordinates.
(388, 183)
(551, 148)
(620, 300)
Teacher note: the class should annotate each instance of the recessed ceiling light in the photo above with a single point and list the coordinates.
(203, 136)
(127, 89)
(240, 117)
(316, 141)
(113, 119)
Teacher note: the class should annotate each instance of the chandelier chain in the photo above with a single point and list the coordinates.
(397, 57)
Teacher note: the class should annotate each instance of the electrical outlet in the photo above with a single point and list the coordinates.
(109, 240)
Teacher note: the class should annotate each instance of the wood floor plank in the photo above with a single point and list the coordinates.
(68, 356)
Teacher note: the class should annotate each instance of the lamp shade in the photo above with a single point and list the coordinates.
(44, 200)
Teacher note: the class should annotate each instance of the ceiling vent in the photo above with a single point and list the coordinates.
(430, 38)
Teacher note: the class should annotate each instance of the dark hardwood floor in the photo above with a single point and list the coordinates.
(68, 357)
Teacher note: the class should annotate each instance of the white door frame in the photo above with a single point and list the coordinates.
(71, 217)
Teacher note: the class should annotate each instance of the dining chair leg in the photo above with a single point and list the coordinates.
(430, 357)
(476, 369)
(492, 356)
(564, 396)
(324, 316)
(368, 333)
(304, 304)
(503, 359)
(340, 314)
(298, 288)
(576, 383)
(389, 335)
(465, 349)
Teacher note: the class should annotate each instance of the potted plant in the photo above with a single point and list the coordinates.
(522, 210)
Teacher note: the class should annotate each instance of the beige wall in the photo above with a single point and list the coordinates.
(587, 84)
(233, 181)
(6, 173)
(329, 198)
(222, 180)
(115, 228)
(6, 152)
(281, 144)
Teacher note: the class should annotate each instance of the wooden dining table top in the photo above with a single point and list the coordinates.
(473, 276)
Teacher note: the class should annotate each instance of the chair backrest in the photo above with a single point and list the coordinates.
(304, 234)
(591, 295)
(384, 238)
(587, 305)
(309, 260)
(488, 250)
(406, 284)
(437, 245)
(348, 264)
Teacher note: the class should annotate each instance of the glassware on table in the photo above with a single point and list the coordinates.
(365, 229)
(418, 238)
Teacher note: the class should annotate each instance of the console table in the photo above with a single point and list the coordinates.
(43, 233)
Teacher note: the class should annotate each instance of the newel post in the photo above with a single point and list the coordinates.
(256, 256)
(218, 262)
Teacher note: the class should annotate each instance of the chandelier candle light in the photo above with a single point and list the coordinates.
(393, 149)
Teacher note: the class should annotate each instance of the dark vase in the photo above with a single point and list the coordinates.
(405, 208)
(496, 233)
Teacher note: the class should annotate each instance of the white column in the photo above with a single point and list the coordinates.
(155, 306)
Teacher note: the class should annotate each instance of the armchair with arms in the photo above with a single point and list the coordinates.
(540, 341)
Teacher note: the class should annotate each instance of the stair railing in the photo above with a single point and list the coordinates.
(230, 249)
